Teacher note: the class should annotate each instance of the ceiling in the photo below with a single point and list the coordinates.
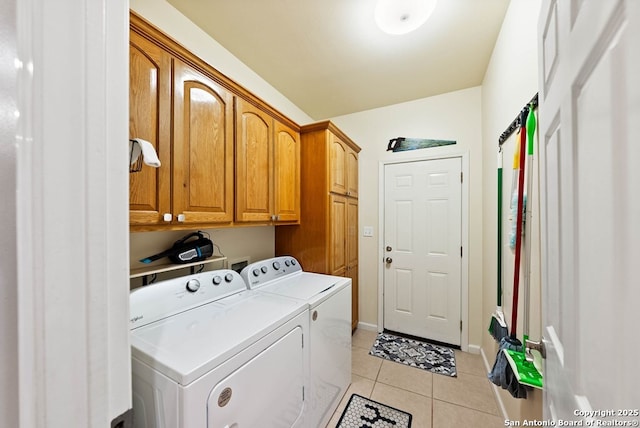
(329, 58)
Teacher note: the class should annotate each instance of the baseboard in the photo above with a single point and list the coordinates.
(367, 326)
(496, 391)
(474, 349)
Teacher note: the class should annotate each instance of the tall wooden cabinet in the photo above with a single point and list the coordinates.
(326, 241)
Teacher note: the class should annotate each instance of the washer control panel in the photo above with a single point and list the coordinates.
(259, 273)
(165, 298)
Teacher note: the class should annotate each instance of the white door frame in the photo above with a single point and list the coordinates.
(72, 212)
(464, 274)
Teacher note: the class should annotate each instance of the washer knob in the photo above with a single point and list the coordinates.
(293, 262)
(264, 269)
(287, 263)
(256, 272)
(228, 277)
(276, 265)
(193, 285)
(216, 280)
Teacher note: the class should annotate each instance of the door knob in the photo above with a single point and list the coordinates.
(388, 260)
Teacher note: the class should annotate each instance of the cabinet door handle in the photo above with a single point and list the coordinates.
(181, 218)
(167, 217)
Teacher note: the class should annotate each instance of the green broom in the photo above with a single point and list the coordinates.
(524, 369)
(498, 326)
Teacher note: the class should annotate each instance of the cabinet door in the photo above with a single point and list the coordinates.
(286, 173)
(254, 163)
(149, 119)
(352, 173)
(352, 273)
(338, 234)
(202, 148)
(338, 165)
(352, 231)
(352, 255)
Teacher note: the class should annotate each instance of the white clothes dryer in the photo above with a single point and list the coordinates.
(329, 300)
(208, 353)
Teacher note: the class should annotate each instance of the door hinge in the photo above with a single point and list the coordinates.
(461, 175)
(303, 341)
(460, 251)
(460, 325)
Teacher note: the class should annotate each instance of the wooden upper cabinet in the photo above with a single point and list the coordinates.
(149, 111)
(227, 157)
(267, 167)
(203, 148)
(286, 173)
(254, 163)
(343, 167)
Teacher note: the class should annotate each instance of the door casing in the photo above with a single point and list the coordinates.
(464, 274)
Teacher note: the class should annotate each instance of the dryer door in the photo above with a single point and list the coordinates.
(267, 391)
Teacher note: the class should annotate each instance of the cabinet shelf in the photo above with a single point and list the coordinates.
(150, 270)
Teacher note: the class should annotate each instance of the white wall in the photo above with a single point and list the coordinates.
(8, 277)
(256, 242)
(453, 116)
(510, 82)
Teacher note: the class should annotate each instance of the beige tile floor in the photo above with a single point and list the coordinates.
(434, 400)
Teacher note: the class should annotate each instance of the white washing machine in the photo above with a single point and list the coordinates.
(329, 300)
(207, 352)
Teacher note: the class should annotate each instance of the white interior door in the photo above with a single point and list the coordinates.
(422, 239)
(589, 153)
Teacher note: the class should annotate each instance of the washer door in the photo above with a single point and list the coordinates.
(267, 391)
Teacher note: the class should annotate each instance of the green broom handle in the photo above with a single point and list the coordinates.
(499, 300)
(531, 130)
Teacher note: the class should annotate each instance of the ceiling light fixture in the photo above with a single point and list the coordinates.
(402, 16)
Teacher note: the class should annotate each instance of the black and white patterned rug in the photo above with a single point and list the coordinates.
(364, 413)
(423, 355)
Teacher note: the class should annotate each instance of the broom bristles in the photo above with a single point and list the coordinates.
(497, 330)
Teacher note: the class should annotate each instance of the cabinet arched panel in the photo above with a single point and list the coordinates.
(286, 173)
(203, 148)
(254, 199)
(338, 165)
(149, 102)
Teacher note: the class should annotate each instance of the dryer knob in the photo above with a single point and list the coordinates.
(256, 272)
(264, 269)
(276, 265)
(193, 285)
(293, 262)
(287, 263)
(228, 277)
(216, 280)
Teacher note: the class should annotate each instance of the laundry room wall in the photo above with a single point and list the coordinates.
(452, 116)
(240, 242)
(510, 82)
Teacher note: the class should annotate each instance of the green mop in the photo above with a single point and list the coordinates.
(501, 373)
(498, 326)
(524, 369)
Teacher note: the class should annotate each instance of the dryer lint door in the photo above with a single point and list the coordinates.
(267, 391)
